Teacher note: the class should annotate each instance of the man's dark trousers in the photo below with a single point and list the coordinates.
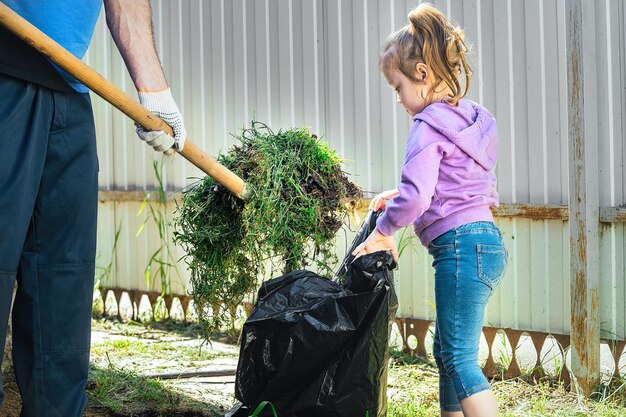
(48, 208)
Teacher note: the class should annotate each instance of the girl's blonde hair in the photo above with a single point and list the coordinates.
(429, 38)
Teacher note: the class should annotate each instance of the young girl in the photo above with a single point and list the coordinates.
(446, 191)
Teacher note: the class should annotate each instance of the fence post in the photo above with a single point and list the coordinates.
(583, 194)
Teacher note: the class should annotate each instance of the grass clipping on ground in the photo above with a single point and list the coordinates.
(291, 218)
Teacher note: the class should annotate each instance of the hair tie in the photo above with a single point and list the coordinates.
(460, 43)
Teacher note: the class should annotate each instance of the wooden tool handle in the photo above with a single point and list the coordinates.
(99, 85)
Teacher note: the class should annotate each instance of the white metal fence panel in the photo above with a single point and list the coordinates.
(315, 63)
(612, 281)
(610, 84)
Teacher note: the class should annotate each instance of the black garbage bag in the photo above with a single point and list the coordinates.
(318, 348)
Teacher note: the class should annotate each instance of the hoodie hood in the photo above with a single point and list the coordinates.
(468, 125)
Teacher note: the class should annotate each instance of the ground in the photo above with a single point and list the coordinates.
(124, 355)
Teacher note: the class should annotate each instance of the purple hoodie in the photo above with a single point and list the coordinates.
(447, 178)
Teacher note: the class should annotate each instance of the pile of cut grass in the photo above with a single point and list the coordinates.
(291, 218)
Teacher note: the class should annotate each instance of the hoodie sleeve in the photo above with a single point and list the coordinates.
(419, 177)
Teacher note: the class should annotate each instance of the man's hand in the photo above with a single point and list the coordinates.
(163, 105)
(375, 242)
(130, 24)
(158, 139)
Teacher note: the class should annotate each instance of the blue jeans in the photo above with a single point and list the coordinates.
(469, 263)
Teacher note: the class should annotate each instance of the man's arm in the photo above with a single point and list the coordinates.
(130, 24)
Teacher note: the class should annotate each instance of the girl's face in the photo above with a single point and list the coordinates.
(409, 93)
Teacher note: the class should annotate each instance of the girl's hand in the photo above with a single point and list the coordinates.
(380, 201)
(377, 242)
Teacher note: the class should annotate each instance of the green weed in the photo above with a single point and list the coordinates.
(161, 265)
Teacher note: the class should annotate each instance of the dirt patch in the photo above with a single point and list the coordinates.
(12, 402)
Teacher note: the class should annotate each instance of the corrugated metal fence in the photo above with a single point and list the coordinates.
(314, 62)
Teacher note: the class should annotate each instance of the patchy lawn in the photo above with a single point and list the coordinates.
(126, 356)
(413, 392)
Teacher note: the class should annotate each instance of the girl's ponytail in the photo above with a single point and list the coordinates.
(429, 38)
(455, 56)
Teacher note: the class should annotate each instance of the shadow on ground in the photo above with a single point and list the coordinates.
(188, 329)
(118, 393)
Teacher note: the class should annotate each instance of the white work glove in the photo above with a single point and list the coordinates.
(163, 105)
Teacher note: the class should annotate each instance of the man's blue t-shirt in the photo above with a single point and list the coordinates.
(69, 22)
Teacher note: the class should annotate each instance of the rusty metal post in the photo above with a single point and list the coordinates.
(583, 194)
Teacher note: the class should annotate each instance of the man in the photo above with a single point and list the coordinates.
(49, 188)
